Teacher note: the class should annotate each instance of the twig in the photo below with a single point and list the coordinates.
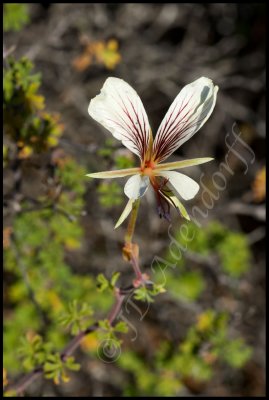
(132, 221)
(28, 379)
(256, 235)
(257, 212)
(117, 306)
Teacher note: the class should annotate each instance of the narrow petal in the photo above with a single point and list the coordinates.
(185, 186)
(125, 213)
(120, 110)
(181, 208)
(186, 115)
(182, 164)
(114, 174)
(136, 186)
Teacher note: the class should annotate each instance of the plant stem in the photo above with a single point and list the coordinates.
(117, 306)
(135, 264)
(27, 380)
(130, 249)
(131, 225)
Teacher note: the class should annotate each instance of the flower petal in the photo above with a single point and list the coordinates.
(179, 205)
(182, 164)
(136, 186)
(185, 186)
(120, 110)
(186, 115)
(125, 213)
(114, 174)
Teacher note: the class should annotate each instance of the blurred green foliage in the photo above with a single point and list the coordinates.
(15, 16)
(110, 194)
(231, 248)
(147, 295)
(33, 351)
(206, 345)
(41, 289)
(25, 120)
(77, 317)
(36, 263)
(103, 283)
(108, 333)
(234, 254)
(55, 368)
(186, 286)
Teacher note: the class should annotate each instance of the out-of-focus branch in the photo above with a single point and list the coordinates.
(28, 379)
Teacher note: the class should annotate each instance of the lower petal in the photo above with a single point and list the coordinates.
(186, 187)
(136, 186)
(125, 213)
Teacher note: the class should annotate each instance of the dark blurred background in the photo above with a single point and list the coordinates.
(157, 49)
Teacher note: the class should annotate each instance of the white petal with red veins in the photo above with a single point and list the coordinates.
(136, 186)
(187, 114)
(120, 110)
(185, 186)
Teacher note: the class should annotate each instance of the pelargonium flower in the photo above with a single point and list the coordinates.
(120, 110)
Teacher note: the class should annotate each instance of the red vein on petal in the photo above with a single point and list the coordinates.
(131, 137)
(139, 137)
(179, 133)
(164, 142)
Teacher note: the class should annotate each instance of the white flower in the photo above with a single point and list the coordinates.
(120, 110)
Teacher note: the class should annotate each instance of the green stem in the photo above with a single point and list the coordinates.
(132, 221)
(130, 248)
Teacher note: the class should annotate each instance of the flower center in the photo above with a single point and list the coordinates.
(148, 167)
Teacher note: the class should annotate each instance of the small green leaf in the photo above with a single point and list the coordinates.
(121, 327)
(114, 278)
(102, 282)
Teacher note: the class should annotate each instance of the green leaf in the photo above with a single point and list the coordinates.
(143, 294)
(236, 353)
(105, 324)
(235, 254)
(15, 17)
(114, 278)
(121, 327)
(77, 317)
(102, 282)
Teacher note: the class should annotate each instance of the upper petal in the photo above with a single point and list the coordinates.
(186, 115)
(136, 186)
(185, 186)
(120, 110)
